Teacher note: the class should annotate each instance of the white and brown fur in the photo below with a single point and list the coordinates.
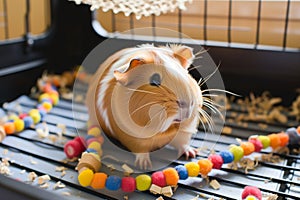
(122, 101)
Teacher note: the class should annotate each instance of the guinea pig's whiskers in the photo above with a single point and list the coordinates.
(220, 90)
(200, 52)
(212, 102)
(213, 109)
(209, 95)
(208, 77)
(194, 67)
(208, 119)
(147, 104)
(144, 91)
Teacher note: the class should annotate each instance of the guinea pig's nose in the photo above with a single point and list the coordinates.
(182, 104)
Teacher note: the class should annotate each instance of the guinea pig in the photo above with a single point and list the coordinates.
(145, 98)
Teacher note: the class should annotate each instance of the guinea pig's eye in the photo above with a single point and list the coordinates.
(155, 80)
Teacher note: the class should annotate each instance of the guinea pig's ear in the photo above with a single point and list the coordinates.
(122, 73)
(184, 54)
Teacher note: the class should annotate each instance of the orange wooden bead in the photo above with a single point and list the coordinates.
(99, 180)
(9, 127)
(172, 176)
(274, 140)
(284, 139)
(298, 129)
(205, 166)
(248, 148)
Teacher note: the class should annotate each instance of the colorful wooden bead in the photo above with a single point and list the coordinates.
(42, 112)
(205, 166)
(192, 168)
(85, 177)
(143, 182)
(94, 131)
(128, 184)
(265, 140)
(54, 97)
(251, 198)
(248, 148)
(72, 149)
(227, 156)
(216, 160)
(35, 115)
(99, 180)
(97, 146)
(89, 160)
(113, 183)
(237, 152)
(284, 139)
(13, 117)
(9, 127)
(44, 96)
(23, 115)
(274, 140)
(171, 176)
(257, 144)
(251, 190)
(47, 106)
(28, 122)
(158, 178)
(19, 125)
(81, 141)
(182, 172)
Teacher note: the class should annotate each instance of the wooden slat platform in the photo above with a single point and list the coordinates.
(26, 148)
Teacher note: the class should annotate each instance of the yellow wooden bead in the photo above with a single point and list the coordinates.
(85, 177)
(19, 125)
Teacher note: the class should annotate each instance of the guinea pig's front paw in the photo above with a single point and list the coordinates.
(188, 152)
(143, 161)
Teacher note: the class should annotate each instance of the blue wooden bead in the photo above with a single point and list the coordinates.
(227, 156)
(86, 138)
(182, 172)
(28, 121)
(113, 183)
(89, 150)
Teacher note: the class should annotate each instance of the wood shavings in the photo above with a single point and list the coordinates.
(4, 167)
(155, 189)
(195, 198)
(262, 126)
(248, 164)
(33, 162)
(167, 191)
(23, 171)
(269, 196)
(42, 132)
(60, 168)
(53, 138)
(160, 198)
(215, 184)
(59, 185)
(43, 179)
(126, 197)
(111, 167)
(227, 130)
(127, 170)
(44, 186)
(66, 193)
(270, 158)
(63, 173)
(32, 176)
